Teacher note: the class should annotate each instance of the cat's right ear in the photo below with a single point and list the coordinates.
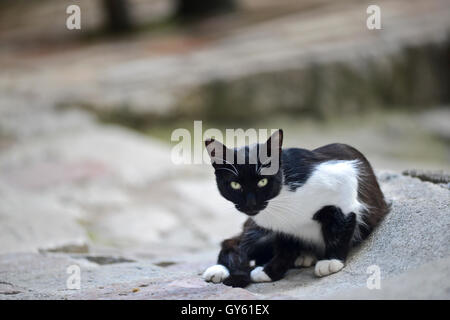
(216, 150)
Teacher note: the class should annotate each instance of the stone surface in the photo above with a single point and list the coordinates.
(431, 176)
(411, 249)
(75, 192)
(68, 181)
(425, 282)
(153, 78)
(414, 233)
(44, 276)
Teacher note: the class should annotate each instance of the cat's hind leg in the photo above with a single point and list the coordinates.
(337, 231)
(239, 255)
(285, 253)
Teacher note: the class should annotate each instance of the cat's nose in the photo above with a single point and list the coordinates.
(251, 200)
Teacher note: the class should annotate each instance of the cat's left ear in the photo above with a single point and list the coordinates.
(274, 143)
(217, 151)
(270, 154)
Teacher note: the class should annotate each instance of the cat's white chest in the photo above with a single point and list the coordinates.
(331, 183)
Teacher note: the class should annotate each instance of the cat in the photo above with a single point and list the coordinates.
(312, 209)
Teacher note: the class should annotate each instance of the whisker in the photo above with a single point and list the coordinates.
(262, 164)
(236, 171)
(228, 170)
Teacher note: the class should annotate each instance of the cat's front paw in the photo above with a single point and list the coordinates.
(327, 267)
(305, 261)
(216, 273)
(258, 275)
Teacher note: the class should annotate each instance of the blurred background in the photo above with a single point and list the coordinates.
(86, 115)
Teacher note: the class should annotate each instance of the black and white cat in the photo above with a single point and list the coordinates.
(315, 207)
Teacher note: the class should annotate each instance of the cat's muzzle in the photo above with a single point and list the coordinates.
(251, 211)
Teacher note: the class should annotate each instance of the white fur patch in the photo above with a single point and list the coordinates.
(331, 183)
(258, 275)
(327, 267)
(216, 273)
(305, 261)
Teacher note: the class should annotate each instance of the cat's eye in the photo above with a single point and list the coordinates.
(235, 185)
(262, 182)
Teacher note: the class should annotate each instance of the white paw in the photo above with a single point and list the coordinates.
(216, 273)
(258, 275)
(305, 261)
(327, 267)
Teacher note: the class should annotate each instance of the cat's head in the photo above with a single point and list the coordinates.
(248, 176)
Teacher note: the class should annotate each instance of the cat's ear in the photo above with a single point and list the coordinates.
(274, 143)
(270, 154)
(217, 151)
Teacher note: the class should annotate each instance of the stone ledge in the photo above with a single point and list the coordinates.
(411, 248)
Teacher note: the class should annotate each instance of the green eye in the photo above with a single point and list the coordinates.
(235, 185)
(262, 182)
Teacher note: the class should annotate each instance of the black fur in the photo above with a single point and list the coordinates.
(337, 230)
(278, 251)
(254, 199)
